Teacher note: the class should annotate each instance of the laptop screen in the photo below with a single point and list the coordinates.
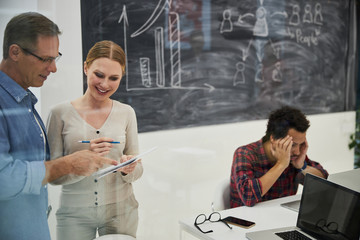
(328, 210)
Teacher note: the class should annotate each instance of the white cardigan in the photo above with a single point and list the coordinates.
(65, 128)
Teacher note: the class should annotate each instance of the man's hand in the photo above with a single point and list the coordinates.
(281, 150)
(85, 162)
(298, 162)
(82, 163)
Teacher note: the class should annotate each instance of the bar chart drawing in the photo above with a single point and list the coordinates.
(159, 57)
(174, 81)
(175, 53)
(145, 71)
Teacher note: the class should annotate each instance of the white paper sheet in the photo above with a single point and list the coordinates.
(103, 172)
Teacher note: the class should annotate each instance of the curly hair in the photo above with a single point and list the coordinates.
(283, 119)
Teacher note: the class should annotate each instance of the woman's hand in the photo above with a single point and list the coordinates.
(102, 145)
(129, 168)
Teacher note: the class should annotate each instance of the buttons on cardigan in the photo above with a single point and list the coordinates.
(95, 192)
(97, 132)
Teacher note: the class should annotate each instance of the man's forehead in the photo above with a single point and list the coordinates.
(298, 137)
(47, 44)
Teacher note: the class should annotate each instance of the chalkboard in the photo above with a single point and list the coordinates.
(201, 62)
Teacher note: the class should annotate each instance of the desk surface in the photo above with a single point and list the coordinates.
(266, 215)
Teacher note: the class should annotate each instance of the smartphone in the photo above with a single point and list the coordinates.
(239, 222)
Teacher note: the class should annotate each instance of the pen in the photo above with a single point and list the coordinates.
(89, 142)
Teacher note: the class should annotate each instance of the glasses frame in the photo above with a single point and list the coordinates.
(331, 227)
(209, 219)
(47, 60)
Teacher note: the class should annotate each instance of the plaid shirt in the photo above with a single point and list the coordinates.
(249, 164)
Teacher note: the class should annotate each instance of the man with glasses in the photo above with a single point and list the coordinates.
(274, 166)
(30, 52)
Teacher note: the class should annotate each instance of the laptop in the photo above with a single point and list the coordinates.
(293, 205)
(327, 211)
(349, 179)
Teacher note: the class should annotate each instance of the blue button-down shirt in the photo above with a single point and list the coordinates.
(23, 149)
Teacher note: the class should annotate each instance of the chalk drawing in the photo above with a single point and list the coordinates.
(226, 24)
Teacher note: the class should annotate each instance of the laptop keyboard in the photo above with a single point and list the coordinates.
(292, 235)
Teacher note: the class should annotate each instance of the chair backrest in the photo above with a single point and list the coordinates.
(115, 237)
(221, 199)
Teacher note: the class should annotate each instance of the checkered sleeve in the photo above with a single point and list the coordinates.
(248, 187)
(317, 166)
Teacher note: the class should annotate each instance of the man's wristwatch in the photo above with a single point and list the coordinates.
(303, 167)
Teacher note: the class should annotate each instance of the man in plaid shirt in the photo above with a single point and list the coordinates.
(274, 166)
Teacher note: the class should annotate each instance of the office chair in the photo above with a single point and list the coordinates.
(115, 237)
(221, 199)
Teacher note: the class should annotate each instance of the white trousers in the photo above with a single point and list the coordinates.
(81, 223)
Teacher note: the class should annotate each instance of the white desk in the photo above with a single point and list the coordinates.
(266, 215)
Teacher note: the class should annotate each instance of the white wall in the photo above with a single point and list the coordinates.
(180, 177)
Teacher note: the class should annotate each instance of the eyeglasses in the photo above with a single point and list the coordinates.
(47, 60)
(213, 217)
(331, 227)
